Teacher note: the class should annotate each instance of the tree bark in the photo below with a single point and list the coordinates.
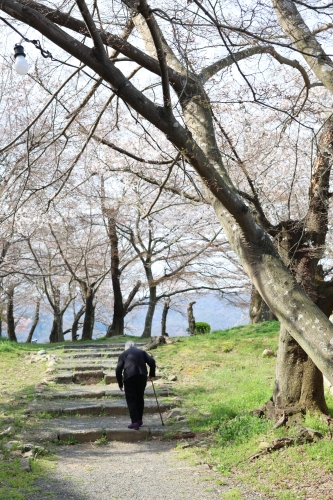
(35, 321)
(10, 315)
(150, 313)
(75, 325)
(190, 318)
(298, 382)
(89, 318)
(259, 310)
(117, 326)
(307, 324)
(165, 311)
(57, 333)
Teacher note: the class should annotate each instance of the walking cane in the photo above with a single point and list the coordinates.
(158, 406)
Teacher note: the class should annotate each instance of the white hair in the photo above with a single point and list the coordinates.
(129, 344)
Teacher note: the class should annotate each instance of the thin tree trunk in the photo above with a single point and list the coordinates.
(35, 321)
(89, 318)
(75, 325)
(10, 316)
(150, 313)
(190, 318)
(117, 326)
(259, 310)
(131, 296)
(164, 316)
(54, 332)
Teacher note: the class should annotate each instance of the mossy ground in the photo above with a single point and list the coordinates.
(222, 377)
(17, 388)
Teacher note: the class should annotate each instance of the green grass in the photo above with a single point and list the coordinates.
(15, 484)
(17, 389)
(222, 377)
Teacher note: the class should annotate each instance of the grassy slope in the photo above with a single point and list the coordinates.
(224, 375)
(17, 387)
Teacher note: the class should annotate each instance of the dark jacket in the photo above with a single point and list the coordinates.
(133, 362)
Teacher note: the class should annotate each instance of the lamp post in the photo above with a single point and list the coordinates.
(21, 65)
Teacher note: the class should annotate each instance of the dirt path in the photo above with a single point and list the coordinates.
(123, 469)
(131, 471)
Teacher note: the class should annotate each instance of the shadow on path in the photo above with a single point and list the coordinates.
(131, 471)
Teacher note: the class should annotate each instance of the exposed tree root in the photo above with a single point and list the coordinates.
(156, 341)
(305, 435)
(282, 416)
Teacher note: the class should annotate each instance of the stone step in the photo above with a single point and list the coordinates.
(100, 391)
(109, 346)
(81, 367)
(92, 407)
(87, 429)
(91, 354)
(87, 377)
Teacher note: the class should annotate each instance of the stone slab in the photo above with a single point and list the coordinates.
(80, 366)
(105, 345)
(86, 407)
(92, 355)
(88, 377)
(110, 378)
(100, 391)
(86, 429)
(114, 352)
(63, 378)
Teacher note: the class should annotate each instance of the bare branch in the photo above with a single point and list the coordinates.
(162, 186)
(93, 31)
(154, 31)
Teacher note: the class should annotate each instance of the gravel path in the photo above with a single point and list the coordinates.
(131, 471)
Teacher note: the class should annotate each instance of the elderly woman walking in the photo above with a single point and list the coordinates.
(131, 372)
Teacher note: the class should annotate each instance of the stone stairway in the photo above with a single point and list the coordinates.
(89, 365)
(81, 402)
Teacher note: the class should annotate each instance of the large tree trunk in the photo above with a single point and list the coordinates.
(57, 333)
(307, 324)
(10, 315)
(269, 277)
(298, 383)
(35, 321)
(150, 313)
(89, 318)
(165, 311)
(259, 310)
(117, 326)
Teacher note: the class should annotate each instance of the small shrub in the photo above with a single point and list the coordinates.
(201, 328)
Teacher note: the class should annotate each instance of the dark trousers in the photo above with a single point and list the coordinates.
(134, 391)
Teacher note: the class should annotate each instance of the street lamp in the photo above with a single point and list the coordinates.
(21, 65)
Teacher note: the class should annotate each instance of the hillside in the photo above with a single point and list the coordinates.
(221, 378)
